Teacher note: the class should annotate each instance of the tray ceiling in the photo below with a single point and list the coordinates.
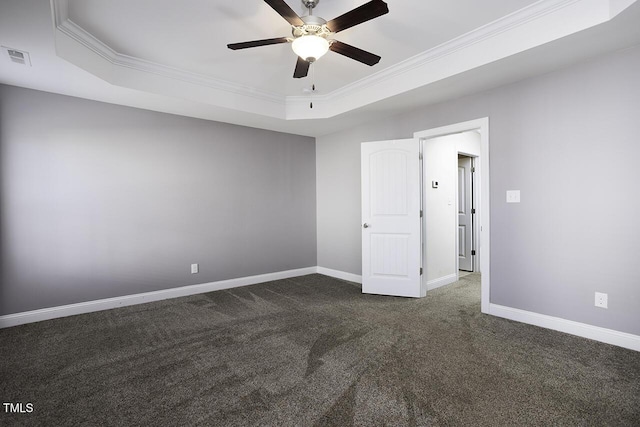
(171, 56)
(192, 35)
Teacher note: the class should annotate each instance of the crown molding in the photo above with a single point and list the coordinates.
(82, 36)
(65, 28)
(465, 41)
(539, 23)
(524, 29)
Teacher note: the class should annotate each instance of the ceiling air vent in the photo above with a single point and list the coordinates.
(18, 56)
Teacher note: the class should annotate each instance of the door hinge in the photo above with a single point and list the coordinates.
(421, 271)
(473, 211)
(420, 213)
(420, 156)
(473, 169)
(473, 252)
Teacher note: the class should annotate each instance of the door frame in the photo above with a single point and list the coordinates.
(483, 217)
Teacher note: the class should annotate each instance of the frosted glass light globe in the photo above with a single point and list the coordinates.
(310, 47)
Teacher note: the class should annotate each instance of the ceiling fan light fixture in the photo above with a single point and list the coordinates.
(310, 47)
(311, 33)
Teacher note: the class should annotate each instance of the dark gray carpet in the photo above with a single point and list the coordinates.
(313, 351)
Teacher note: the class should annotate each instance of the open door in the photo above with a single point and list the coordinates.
(391, 228)
(466, 211)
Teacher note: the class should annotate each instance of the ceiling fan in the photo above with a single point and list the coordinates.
(311, 33)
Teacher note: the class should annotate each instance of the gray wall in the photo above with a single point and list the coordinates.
(569, 141)
(99, 200)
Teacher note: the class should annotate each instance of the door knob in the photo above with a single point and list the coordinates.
(365, 225)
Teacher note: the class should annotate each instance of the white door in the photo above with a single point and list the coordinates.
(465, 217)
(391, 218)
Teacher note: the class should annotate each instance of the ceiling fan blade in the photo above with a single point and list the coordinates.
(361, 14)
(354, 53)
(256, 43)
(302, 68)
(285, 11)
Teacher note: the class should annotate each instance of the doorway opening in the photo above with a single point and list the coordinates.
(410, 210)
(442, 232)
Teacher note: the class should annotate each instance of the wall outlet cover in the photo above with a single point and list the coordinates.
(601, 300)
(194, 268)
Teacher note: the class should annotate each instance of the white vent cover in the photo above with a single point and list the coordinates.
(18, 56)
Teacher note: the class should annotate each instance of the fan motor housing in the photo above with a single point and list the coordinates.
(312, 25)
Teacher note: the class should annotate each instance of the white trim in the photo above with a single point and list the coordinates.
(609, 336)
(596, 333)
(340, 274)
(484, 212)
(442, 281)
(506, 23)
(88, 40)
(123, 301)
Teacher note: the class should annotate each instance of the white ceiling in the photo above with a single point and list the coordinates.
(192, 35)
(171, 56)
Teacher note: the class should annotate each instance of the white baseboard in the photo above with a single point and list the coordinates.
(596, 333)
(108, 303)
(442, 281)
(340, 274)
(609, 336)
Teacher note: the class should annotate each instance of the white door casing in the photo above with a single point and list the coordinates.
(465, 218)
(391, 228)
(483, 193)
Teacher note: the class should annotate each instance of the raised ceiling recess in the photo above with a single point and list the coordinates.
(178, 49)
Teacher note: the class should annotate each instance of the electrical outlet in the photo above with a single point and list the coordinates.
(601, 300)
(194, 268)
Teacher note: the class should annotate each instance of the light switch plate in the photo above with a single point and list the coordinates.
(194, 268)
(513, 196)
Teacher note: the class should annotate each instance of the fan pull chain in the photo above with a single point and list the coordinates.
(313, 84)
